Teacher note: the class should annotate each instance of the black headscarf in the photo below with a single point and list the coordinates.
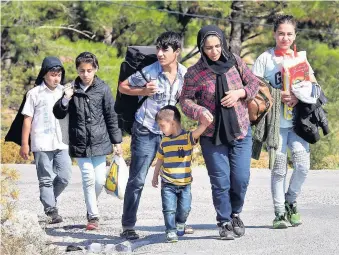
(226, 124)
(47, 64)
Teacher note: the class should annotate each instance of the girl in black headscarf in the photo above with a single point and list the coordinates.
(219, 85)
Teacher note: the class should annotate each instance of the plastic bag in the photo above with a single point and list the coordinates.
(307, 91)
(117, 177)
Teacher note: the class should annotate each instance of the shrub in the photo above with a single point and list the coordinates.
(10, 154)
(9, 192)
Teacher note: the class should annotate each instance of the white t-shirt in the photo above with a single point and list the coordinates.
(269, 67)
(45, 131)
(167, 94)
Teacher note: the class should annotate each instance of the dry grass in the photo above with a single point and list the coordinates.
(9, 192)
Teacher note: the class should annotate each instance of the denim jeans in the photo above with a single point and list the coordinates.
(301, 164)
(228, 167)
(93, 172)
(54, 170)
(144, 146)
(176, 204)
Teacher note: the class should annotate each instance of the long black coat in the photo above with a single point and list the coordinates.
(93, 123)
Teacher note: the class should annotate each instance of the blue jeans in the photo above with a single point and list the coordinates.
(54, 170)
(93, 173)
(228, 167)
(176, 204)
(301, 164)
(144, 146)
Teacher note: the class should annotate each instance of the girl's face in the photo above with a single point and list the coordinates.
(212, 48)
(86, 72)
(284, 36)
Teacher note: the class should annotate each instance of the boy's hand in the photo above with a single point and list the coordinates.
(68, 90)
(118, 149)
(24, 152)
(206, 118)
(155, 181)
(151, 88)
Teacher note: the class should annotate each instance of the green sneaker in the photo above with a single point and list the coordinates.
(293, 215)
(280, 221)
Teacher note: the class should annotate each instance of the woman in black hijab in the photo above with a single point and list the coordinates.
(219, 85)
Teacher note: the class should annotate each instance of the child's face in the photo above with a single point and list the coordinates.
(86, 73)
(52, 79)
(167, 126)
(284, 36)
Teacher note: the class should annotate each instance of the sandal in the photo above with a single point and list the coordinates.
(189, 229)
(129, 234)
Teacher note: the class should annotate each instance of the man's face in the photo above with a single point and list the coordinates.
(167, 56)
(52, 79)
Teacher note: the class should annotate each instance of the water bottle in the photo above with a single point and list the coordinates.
(124, 247)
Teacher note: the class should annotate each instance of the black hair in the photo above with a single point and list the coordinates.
(168, 112)
(56, 69)
(282, 19)
(167, 39)
(87, 57)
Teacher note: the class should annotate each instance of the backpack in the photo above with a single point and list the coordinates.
(137, 57)
(261, 104)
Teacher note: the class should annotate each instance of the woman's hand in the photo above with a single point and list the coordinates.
(68, 90)
(118, 149)
(231, 98)
(293, 101)
(289, 98)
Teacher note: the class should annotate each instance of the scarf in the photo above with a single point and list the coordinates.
(226, 124)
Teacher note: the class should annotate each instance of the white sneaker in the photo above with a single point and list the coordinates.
(171, 237)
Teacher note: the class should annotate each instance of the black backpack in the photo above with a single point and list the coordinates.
(137, 57)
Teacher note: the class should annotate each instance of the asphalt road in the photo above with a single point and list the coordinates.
(318, 204)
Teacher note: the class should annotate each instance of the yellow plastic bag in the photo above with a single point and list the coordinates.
(117, 177)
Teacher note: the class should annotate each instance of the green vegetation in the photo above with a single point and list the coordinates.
(32, 30)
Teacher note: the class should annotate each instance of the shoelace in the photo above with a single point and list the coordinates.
(237, 221)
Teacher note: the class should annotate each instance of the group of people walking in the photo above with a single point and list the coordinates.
(213, 92)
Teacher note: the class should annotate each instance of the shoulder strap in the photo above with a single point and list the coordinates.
(237, 66)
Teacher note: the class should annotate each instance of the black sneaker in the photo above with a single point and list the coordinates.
(226, 231)
(55, 217)
(238, 225)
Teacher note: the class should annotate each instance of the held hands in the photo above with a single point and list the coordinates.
(117, 149)
(206, 118)
(150, 89)
(231, 98)
(68, 90)
(24, 151)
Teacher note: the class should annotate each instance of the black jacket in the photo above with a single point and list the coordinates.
(15, 132)
(93, 123)
(309, 118)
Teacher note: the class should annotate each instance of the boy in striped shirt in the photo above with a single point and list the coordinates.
(174, 166)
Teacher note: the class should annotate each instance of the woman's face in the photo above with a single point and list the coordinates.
(284, 36)
(212, 47)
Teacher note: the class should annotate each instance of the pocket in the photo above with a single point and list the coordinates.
(139, 129)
